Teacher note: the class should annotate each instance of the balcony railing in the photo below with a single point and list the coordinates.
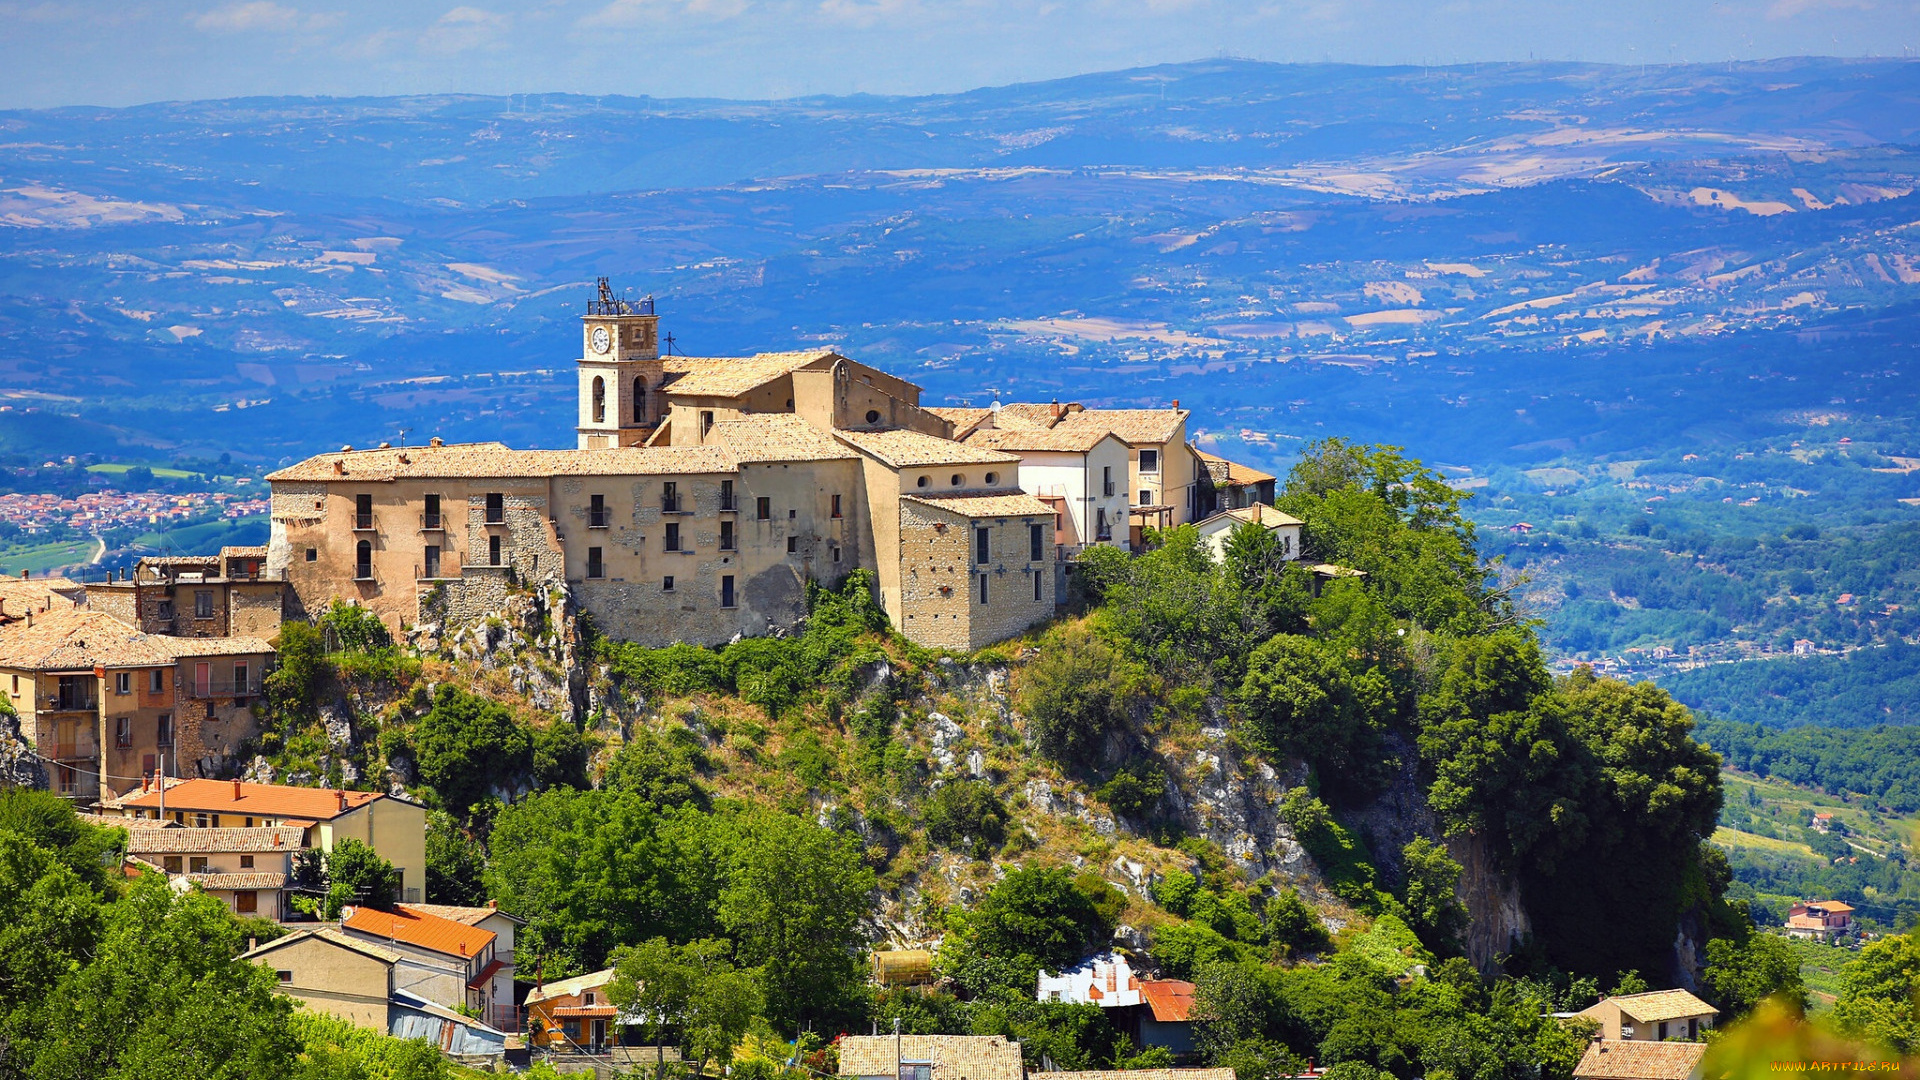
(441, 571)
(1107, 489)
(71, 703)
(362, 522)
(363, 572)
(433, 523)
(599, 519)
(223, 688)
(670, 505)
(728, 504)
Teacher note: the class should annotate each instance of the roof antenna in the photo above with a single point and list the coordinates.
(403, 437)
(669, 343)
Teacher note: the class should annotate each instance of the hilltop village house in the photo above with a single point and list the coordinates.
(703, 494)
(115, 683)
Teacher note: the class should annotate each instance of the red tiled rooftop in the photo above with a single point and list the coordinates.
(419, 929)
(258, 800)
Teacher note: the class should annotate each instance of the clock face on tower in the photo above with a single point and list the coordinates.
(602, 341)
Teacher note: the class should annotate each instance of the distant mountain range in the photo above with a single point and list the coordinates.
(1496, 263)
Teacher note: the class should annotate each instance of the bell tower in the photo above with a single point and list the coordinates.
(620, 371)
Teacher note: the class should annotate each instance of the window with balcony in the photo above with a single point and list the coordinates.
(1149, 461)
(75, 693)
(726, 536)
(431, 558)
(1102, 529)
(594, 568)
(123, 732)
(673, 536)
(596, 511)
(363, 511)
(69, 779)
(726, 495)
(670, 497)
(363, 561)
(430, 515)
(493, 551)
(241, 685)
(496, 508)
(982, 545)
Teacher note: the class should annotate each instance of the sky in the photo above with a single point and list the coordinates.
(55, 52)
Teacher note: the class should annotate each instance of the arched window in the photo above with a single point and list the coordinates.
(599, 400)
(363, 560)
(640, 401)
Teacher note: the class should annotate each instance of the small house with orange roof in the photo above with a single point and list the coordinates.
(394, 828)
(445, 961)
(1820, 920)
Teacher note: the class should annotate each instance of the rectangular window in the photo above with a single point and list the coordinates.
(836, 506)
(1036, 545)
(240, 674)
(673, 536)
(793, 545)
(76, 693)
(123, 732)
(726, 590)
(166, 609)
(1149, 461)
(596, 511)
(726, 536)
(496, 508)
(157, 681)
(69, 779)
(493, 551)
(836, 553)
(363, 511)
(432, 561)
(763, 508)
(670, 497)
(706, 422)
(1038, 590)
(173, 864)
(1106, 480)
(246, 861)
(593, 562)
(666, 583)
(1146, 498)
(123, 682)
(200, 821)
(148, 763)
(313, 554)
(726, 494)
(246, 903)
(203, 603)
(983, 588)
(283, 976)
(198, 863)
(982, 545)
(431, 518)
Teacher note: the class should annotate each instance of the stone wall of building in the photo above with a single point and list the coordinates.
(940, 580)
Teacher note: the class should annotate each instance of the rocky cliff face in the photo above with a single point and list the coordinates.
(533, 637)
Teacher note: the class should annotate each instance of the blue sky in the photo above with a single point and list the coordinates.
(54, 52)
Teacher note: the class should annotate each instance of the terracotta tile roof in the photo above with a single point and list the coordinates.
(259, 800)
(570, 987)
(254, 552)
(472, 916)
(1259, 514)
(1610, 1059)
(777, 437)
(261, 880)
(181, 647)
(954, 1057)
(17, 595)
(1064, 439)
(1657, 1005)
(493, 968)
(585, 1011)
(329, 935)
(1013, 504)
(1234, 472)
(731, 376)
(1830, 905)
(964, 420)
(1139, 426)
(1029, 416)
(1170, 999)
(72, 639)
(902, 449)
(410, 926)
(488, 460)
(196, 841)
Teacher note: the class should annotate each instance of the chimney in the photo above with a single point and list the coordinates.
(339, 468)
(1176, 403)
(3, 607)
(436, 441)
(463, 948)
(343, 800)
(24, 573)
(1056, 410)
(236, 789)
(29, 618)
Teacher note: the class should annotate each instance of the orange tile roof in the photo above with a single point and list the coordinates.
(1236, 472)
(731, 376)
(1010, 504)
(491, 460)
(1170, 999)
(777, 437)
(472, 916)
(905, 449)
(1609, 1059)
(74, 639)
(1070, 440)
(411, 926)
(963, 418)
(259, 800)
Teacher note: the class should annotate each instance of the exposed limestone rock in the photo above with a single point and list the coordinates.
(18, 766)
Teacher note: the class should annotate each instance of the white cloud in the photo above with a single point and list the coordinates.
(1787, 9)
(632, 14)
(262, 15)
(463, 29)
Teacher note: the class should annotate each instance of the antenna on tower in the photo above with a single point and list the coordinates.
(669, 343)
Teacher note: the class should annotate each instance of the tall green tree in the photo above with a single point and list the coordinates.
(693, 989)
(466, 746)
